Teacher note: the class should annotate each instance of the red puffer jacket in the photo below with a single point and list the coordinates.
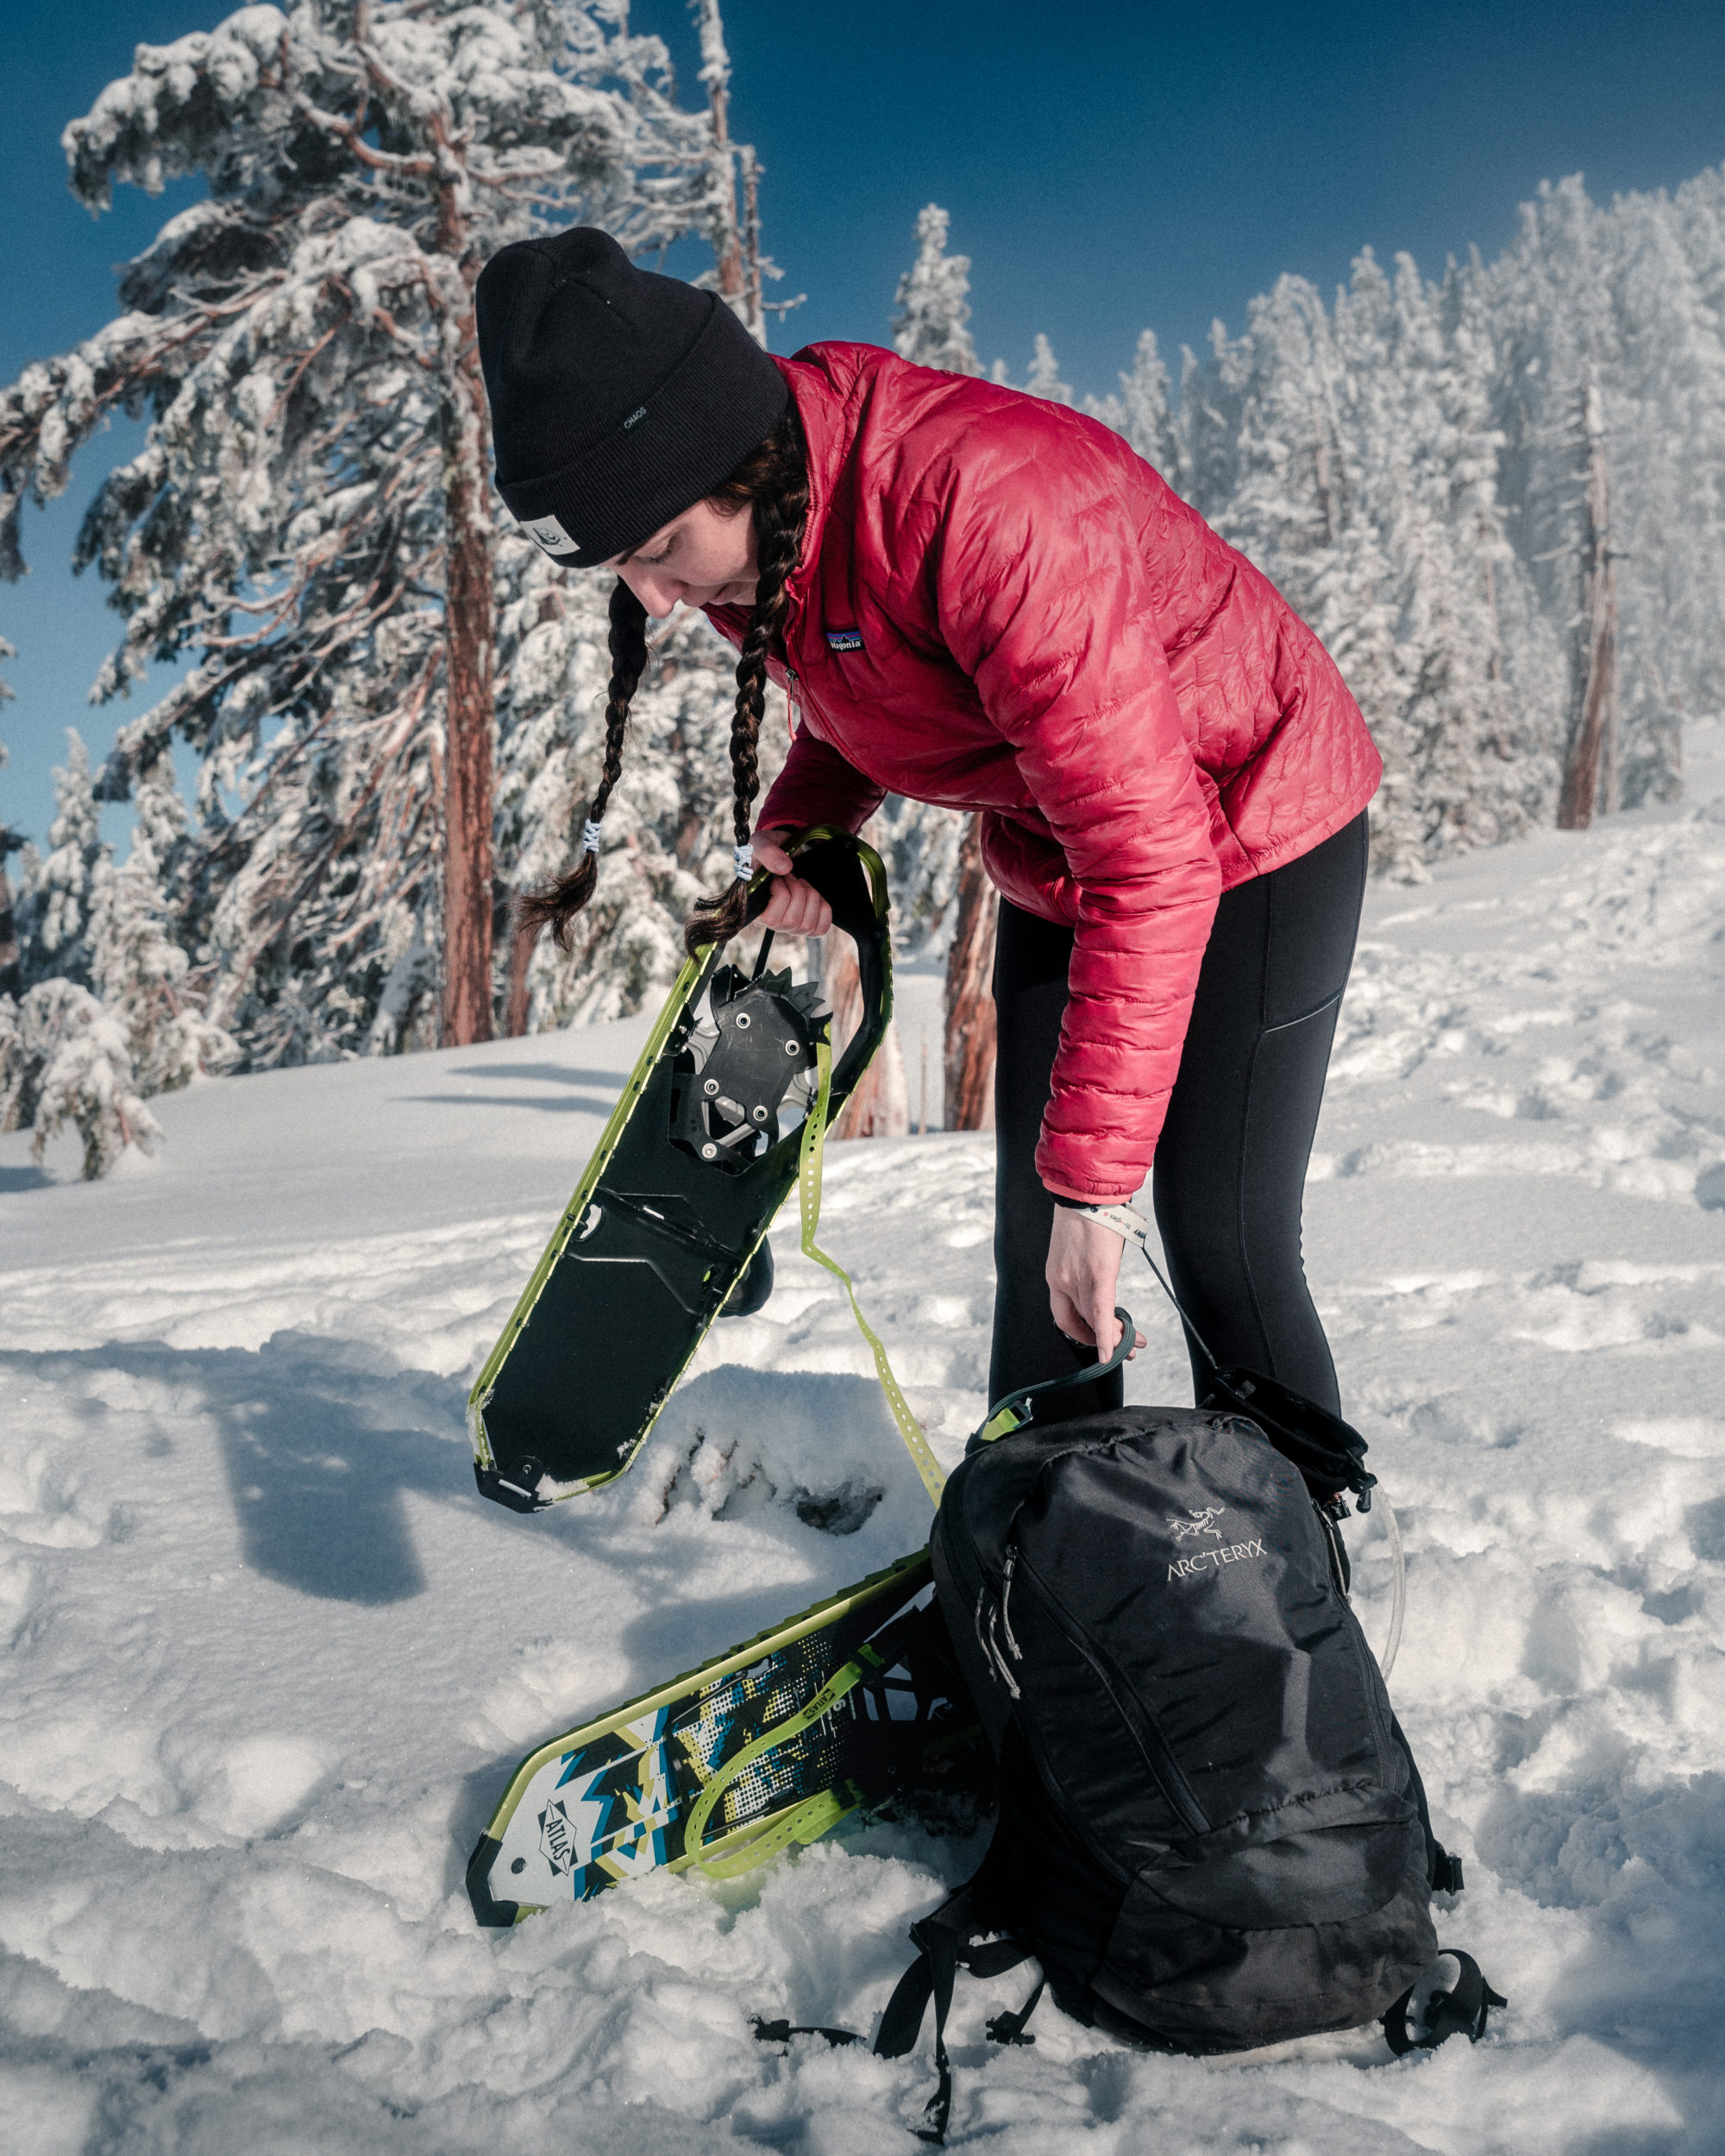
(1000, 607)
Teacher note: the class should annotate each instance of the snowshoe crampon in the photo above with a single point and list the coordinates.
(852, 1704)
(696, 1160)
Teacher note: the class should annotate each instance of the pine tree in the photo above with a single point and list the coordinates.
(61, 892)
(64, 1059)
(1044, 378)
(141, 976)
(930, 326)
(311, 513)
(1667, 481)
(1142, 412)
(11, 841)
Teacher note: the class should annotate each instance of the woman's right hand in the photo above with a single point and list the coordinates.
(793, 907)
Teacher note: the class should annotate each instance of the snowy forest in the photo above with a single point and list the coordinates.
(1499, 497)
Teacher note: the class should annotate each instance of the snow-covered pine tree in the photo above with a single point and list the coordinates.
(11, 841)
(932, 324)
(101, 1010)
(1278, 491)
(934, 864)
(1141, 410)
(1044, 378)
(139, 975)
(60, 892)
(1426, 483)
(920, 843)
(1552, 316)
(311, 513)
(64, 1059)
(1666, 449)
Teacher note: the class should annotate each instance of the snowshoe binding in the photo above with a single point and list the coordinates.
(657, 1241)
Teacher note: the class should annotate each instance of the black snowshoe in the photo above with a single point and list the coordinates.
(664, 1233)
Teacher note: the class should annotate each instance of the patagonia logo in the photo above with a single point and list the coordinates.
(845, 640)
(635, 418)
(1226, 1553)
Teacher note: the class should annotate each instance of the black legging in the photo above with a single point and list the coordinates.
(1231, 1163)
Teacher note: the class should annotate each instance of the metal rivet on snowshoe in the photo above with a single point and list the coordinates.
(709, 1151)
(711, 1086)
(519, 1865)
(792, 1049)
(759, 1113)
(741, 1021)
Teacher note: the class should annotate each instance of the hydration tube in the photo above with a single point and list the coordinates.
(1398, 1600)
(1130, 1227)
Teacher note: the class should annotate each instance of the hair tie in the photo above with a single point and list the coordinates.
(590, 832)
(743, 858)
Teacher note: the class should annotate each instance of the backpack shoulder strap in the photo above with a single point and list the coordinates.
(944, 1941)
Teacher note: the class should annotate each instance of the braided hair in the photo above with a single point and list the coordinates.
(772, 482)
(557, 904)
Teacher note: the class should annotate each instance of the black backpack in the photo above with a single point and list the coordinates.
(1212, 1833)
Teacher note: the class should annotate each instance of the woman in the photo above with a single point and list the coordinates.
(978, 598)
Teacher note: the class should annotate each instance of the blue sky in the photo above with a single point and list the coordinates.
(1108, 168)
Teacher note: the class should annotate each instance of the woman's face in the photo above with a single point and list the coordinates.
(705, 557)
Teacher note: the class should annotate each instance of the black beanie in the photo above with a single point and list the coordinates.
(618, 398)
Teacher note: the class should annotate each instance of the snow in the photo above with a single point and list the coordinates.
(272, 1661)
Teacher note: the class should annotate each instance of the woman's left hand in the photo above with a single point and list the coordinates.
(1083, 1272)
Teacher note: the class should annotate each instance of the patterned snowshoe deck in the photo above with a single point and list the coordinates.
(616, 1799)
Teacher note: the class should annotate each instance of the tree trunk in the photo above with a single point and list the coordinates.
(880, 1105)
(468, 599)
(969, 1058)
(1587, 773)
(520, 1004)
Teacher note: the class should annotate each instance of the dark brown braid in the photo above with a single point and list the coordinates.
(774, 483)
(556, 905)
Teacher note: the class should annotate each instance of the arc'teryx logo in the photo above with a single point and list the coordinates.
(1200, 1523)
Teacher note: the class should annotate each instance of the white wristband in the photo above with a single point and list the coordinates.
(1124, 1219)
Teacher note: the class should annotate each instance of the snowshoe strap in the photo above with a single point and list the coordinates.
(944, 1941)
(814, 1149)
(1008, 1414)
(812, 1818)
(804, 1822)
(1421, 2022)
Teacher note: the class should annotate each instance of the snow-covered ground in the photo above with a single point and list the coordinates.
(271, 1660)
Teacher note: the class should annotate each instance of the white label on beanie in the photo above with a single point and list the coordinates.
(549, 533)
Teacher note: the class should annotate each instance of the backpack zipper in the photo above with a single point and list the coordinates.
(989, 1618)
(1005, 1590)
(1177, 1791)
